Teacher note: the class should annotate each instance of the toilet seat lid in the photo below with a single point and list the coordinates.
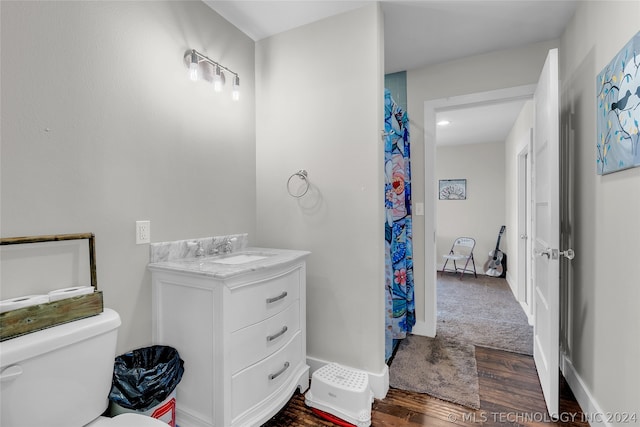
(129, 420)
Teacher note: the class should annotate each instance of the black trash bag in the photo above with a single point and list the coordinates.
(145, 377)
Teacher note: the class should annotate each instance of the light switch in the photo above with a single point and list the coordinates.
(419, 209)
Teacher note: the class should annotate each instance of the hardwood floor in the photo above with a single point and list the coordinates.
(510, 394)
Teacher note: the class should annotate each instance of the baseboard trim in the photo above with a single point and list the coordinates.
(512, 284)
(526, 309)
(379, 381)
(592, 412)
(524, 306)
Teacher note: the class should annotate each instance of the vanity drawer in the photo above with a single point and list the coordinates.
(253, 385)
(253, 303)
(253, 343)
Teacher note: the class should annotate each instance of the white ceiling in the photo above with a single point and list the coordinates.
(477, 124)
(425, 32)
(419, 33)
(263, 18)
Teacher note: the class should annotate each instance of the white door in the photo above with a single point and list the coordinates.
(546, 232)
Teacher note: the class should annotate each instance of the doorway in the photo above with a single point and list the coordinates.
(545, 237)
(427, 320)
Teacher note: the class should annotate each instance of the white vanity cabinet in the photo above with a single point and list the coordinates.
(241, 334)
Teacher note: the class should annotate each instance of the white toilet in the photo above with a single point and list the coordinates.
(61, 376)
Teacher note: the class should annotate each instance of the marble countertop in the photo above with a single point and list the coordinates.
(211, 267)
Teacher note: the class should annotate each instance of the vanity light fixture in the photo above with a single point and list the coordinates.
(217, 79)
(444, 122)
(193, 66)
(235, 94)
(202, 67)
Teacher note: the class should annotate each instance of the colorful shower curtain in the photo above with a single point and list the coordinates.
(400, 306)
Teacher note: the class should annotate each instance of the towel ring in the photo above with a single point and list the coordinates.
(301, 190)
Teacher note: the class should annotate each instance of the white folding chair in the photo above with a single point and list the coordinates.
(461, 250)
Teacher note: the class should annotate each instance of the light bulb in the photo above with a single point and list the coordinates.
(235, 94)
(217, 79)
(193, 66)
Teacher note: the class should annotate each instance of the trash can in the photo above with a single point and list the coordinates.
(144, 382)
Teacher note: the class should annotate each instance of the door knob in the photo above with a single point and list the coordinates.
(545, 252)
(555, 253)
(568, 254)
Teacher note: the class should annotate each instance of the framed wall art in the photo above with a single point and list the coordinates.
(618, 111)
(452, 189)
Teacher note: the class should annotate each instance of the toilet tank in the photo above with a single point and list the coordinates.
(59, 376)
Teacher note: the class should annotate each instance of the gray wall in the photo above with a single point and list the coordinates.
(319, 108)
(482, 213)
(601, 337)
(101, 127)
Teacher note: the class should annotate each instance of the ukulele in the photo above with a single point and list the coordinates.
(493, 266)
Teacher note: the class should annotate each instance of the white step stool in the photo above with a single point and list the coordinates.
(342, 392)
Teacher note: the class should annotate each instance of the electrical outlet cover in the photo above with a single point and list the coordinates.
(143, 232)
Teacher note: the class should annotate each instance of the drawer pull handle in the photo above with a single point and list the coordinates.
(278, 298)
(276, 335)
(280, 372)
(11, 373)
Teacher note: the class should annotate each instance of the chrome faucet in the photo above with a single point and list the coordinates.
(199, 250)
(225, 246)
